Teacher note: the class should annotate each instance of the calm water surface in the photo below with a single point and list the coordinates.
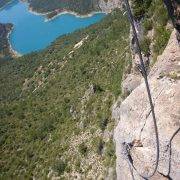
(32, 33)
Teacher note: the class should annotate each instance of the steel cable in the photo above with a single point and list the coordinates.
(144, 73)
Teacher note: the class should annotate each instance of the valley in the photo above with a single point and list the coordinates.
(57, 104)
(33, 32)
(74, 104)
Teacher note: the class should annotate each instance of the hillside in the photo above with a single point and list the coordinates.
(5, 29)
(55, 105)
(57, 6)
(80, 7)
(62, 108)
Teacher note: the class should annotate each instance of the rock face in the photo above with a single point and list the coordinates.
(135, 122)
(130, 83)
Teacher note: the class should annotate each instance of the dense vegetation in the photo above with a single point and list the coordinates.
(55, 105)
(4, 2)
(78, 6)
(4, 44)
(154, 18)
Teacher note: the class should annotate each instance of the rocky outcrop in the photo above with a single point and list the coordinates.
(108, 5)
(135, 121)
(130, 83)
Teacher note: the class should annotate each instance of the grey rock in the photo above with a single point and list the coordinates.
(108, 6)
(130, 83)
(135, 123)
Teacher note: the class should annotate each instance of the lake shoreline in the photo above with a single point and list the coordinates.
(63, 12)
(75, 14)
(11, 50)
(46, 18)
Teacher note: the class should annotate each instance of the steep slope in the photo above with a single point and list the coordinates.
(55, 105)
(135, 123)
(153, 26)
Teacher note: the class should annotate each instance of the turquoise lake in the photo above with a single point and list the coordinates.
(31, 32)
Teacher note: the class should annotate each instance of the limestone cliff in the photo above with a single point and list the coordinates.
(134, 120)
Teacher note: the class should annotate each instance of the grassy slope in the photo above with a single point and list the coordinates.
(50, 117)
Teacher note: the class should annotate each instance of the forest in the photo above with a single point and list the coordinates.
(79, 6)
(52, 98)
